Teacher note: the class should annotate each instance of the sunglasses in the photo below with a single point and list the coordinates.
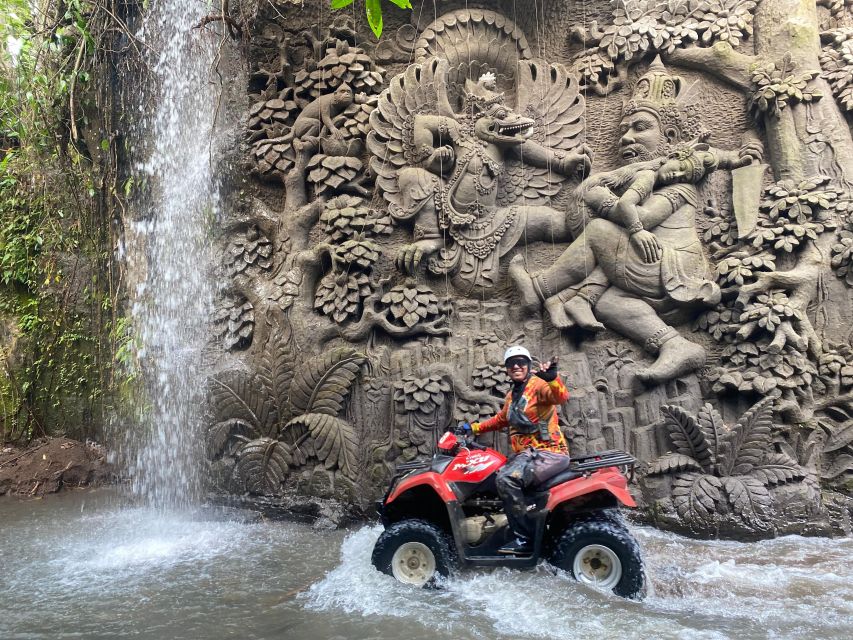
(521, 363)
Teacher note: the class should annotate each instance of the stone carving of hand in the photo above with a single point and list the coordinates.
(410, 256)
(647, 246)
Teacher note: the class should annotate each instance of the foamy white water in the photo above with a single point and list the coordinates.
(75, 566)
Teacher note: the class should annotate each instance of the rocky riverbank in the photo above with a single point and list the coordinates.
(50, 465)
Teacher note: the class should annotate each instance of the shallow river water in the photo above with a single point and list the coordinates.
(81, 566)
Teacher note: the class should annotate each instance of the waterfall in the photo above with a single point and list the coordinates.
(173, 294)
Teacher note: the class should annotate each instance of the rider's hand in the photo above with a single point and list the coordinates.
(548, 372)
(464, 429)
(647, 246)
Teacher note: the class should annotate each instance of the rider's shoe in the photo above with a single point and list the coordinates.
(518, 547)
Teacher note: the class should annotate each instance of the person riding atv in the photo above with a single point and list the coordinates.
(541, 452)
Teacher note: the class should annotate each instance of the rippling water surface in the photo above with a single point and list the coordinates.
(81, 566)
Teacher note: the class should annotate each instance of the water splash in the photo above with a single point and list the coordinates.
(174, 299)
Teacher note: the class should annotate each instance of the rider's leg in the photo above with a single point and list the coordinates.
(511, 483)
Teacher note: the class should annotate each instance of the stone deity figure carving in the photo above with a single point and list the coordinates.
(474, 165)
(639, 261)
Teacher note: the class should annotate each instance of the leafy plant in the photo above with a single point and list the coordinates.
(373, 10)
(284, 415)
(718, 470)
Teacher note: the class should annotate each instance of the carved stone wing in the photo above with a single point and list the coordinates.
(550, 95)
(422, 88)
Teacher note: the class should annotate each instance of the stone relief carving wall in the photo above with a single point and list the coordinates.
(660, 195)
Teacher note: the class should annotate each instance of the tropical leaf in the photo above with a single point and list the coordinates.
(262, 466)
(673, 463)
(222, 436)
(696, 497)
(335, 442)
(322, 384)
(711, 424)
(841, 464)
(235, 396)
(749, 499)
(840, 435)
(295, 434)
(778, 468)
(275, 370)
(749, 441)
(686, 436)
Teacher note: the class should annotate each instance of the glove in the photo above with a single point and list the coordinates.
(549, 374)
(464, 429)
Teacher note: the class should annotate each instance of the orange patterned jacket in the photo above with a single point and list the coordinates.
(542, 400)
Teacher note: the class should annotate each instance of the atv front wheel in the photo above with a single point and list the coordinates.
(604, 555)
(415, 552)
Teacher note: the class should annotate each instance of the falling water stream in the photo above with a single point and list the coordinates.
(173, 302)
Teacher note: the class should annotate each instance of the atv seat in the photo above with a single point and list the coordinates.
(560, 478)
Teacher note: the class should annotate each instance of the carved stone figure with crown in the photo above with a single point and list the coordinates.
(638, 263)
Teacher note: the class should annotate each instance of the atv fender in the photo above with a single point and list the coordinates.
(612, 482)
(429, 479)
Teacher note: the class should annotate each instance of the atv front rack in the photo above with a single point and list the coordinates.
(613, 458)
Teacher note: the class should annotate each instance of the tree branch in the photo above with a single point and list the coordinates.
(720, 60)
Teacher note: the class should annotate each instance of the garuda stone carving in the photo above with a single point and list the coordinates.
(473, 179)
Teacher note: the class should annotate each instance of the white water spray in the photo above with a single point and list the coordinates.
(174, 297)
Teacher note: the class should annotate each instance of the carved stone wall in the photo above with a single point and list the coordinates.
(657, 192)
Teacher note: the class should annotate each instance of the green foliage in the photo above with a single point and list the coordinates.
(373, 11)
(57, 301)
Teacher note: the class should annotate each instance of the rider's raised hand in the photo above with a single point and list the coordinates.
(548, 370)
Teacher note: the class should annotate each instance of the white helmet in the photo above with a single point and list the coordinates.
(517, 350)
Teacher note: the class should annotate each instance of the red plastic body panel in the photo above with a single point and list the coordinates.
(603, 480)
(473, 465)
(430, 479)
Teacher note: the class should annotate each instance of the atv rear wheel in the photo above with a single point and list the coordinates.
(414, 552)
(604, 555)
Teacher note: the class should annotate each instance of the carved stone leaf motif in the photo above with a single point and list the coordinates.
(841, 464)
(262, 466)
(287, 288)
(276, 369)
(673, 463)
(335, 441)
(777, 469)
(235, 396)
(341, 294)
(222, 435)
(235, 323)
(749, 440)
(749, 499)
(711, 424)
(686, 436)
(322, 384)
(840, 435)
(696, 497)
(836, 60)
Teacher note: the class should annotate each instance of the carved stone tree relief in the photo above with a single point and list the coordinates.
(609, 202)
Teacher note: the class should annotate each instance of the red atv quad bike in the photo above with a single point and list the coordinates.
(445, 513)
